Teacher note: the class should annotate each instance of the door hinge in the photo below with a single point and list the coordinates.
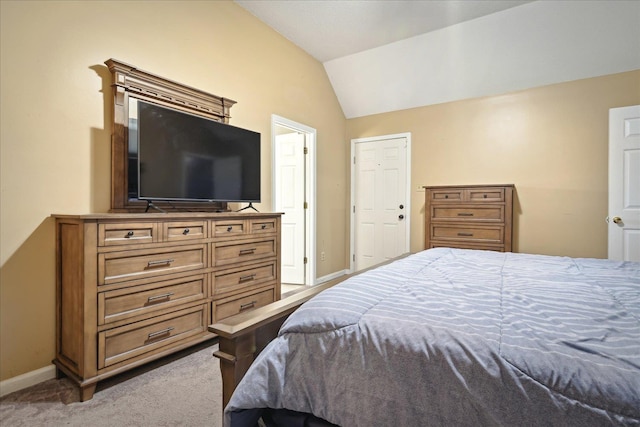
(354, 160)
(354, 257)
(354, 208)
(306, 205)
(306, 150)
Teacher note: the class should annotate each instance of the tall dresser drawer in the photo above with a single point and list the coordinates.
(447, 195)
(224, 308)
(231, 252)
(126, 342)
(232, 279)
(457, 213)
(467, 245)
(487, 194)
(135, 301)
(116, 267)
(486, 234)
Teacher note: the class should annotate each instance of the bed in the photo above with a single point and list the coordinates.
(457, 337)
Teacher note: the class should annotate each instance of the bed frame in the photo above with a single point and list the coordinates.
(243, 336)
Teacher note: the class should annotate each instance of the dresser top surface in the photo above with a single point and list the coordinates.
(158, 216)
(467, 186)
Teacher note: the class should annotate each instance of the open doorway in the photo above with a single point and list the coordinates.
(294, 194)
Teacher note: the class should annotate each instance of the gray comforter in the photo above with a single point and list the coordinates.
(452, 337)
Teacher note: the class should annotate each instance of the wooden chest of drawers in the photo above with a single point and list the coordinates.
(472, 217)
(135, 287)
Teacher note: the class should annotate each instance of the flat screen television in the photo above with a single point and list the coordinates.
(183, 157)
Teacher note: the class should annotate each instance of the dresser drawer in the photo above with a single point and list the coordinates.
(135, 301)
(468, 245)
(126, 342)
(239, 303)
(462, 213)
(447, 195)
(229, 228)
(258, 226)
(233, 279)
(180, 231)
(485, 234)
(127, 233)
(472, 194)
(232, 252)
(136, 264)
(485, 194)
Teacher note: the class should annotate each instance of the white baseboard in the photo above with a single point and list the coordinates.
(27, 380)
(331, 276)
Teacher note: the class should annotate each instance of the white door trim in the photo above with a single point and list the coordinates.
(406, 135)
(310, 190)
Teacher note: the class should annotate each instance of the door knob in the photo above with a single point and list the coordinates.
(400, 216)
(617, 220)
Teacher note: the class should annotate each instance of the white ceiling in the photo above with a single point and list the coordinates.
(330, 29)
(388, 55)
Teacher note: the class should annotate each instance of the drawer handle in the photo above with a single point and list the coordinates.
(229, 228)
(129, 235)
(446, 196)
(247, 251)
(160, 262)
(153, 335)
(158, 297)
(264, 226)
(248, 305)
(186, 231)
(465, 214)
(484, 195)
(465, 234)
(247, 278)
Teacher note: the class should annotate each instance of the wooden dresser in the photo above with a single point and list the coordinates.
(132, 288)
(471, 217)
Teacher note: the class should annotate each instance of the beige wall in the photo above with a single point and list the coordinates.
(551, 142)
(55, 132)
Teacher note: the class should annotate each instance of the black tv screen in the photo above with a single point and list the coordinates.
(183, 157)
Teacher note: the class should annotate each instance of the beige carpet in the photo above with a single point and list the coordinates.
(181, 390)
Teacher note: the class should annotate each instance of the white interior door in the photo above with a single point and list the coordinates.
(624, 183)
(290, 199)
(380, 199)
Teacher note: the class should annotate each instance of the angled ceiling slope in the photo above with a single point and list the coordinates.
(384, 56)
(333, 29)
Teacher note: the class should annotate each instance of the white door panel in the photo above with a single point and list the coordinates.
(287, 237)
(624, 183)
(289, 199)
(380, 198)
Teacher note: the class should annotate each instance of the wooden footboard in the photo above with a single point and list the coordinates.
(243, 336)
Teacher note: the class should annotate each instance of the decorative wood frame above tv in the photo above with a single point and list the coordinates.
(129, 82)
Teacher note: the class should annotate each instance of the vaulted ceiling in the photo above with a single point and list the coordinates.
(332, 29)
(389, 55)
